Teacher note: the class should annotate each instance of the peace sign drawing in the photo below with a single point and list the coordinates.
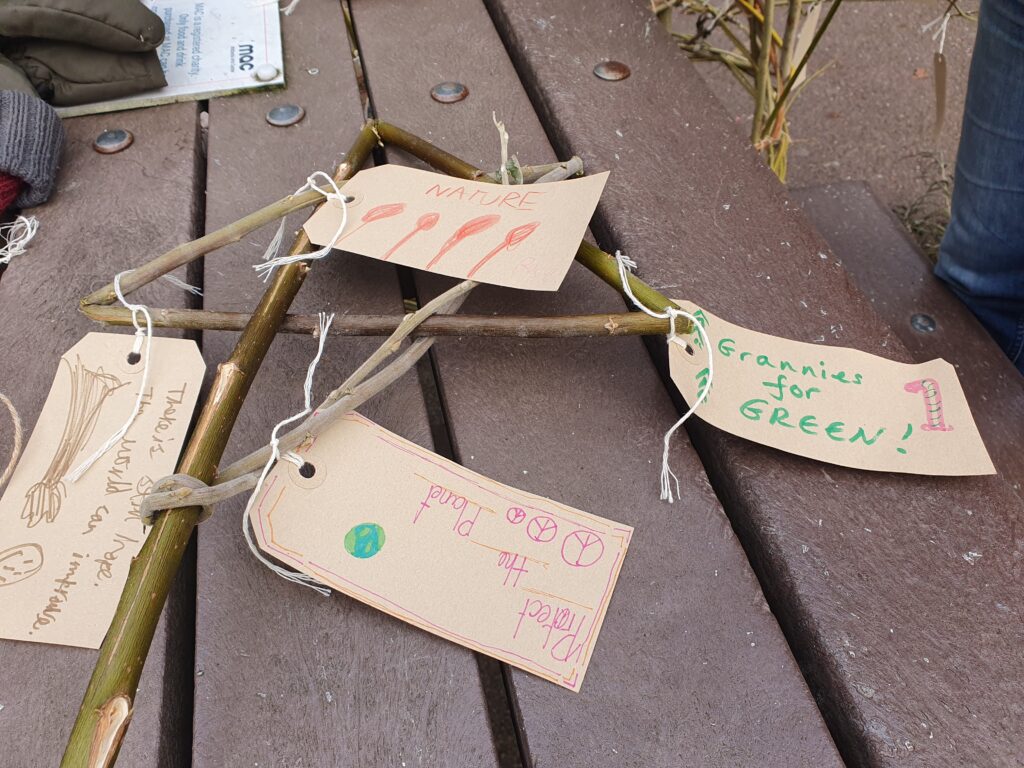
(515, 515)
(581, 549)
(541, 529)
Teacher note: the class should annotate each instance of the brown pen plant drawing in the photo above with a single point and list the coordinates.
(89, 390)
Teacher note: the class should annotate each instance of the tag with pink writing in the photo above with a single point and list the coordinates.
(833, 404)
(65, 546)
(520, 236)
(512, 575)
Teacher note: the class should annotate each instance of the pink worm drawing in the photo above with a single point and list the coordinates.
(515, 236)
(470, 228)
(424, 223)
(929, 389)
(376, 213)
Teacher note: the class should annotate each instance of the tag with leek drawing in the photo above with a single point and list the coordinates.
(520, 236)
(65, 546)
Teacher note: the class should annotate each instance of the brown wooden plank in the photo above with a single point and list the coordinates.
(910, 647)
(877, 251)
(284, 676)
(687, 652)
(110, 213)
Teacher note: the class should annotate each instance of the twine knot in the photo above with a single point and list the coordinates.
(171, 492)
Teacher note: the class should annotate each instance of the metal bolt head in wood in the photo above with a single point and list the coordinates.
(923, 323)
(449, 92)
(109, 142)
(284, 115)
(612, 70)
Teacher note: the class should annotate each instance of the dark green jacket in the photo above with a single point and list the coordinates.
(67, 52)
(79, 51)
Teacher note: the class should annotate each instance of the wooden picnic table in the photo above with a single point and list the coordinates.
(783, 612)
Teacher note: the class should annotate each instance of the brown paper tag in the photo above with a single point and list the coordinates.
(65, 547)
(512, 575)
(833, 404)
(522, 236)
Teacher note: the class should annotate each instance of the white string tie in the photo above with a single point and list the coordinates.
(16, 237)
(670, 314)
(142, 333)
(289, 575)
(177, 282)
(266, 269)
(940, 33)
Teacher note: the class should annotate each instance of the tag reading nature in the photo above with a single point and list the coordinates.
(522, 236)
(506, 573)
(65, 547)
(833, 404)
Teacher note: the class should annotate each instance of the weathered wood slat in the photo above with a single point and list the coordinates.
(284, 676)
(690, 668)
(110, 213)
(911, 647)
(877, 251)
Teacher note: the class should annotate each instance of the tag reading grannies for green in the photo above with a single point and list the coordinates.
(833, 404)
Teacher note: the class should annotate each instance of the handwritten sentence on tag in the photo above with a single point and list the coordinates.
(65, 547)
(522, 236)
(834, 404)
(512, 575)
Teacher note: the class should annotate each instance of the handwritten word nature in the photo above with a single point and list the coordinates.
(519, 236)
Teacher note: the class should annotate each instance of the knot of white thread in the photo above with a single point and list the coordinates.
(940, 33)
(271, 261)
(142, 334)
(177, 282)
(670, 314)
(16, 237)
(275, 454)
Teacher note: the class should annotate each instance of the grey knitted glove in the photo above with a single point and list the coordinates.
(31, 140)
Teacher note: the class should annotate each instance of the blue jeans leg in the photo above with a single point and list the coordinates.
(982, 253)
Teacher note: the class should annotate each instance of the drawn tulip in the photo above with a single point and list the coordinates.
(470, 228)
(376, 213)
(425, 222)
(515, 236)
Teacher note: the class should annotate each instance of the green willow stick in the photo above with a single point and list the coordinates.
(187, 252)
(593, 258)
(780, 102)
(519, 326)
(762, 75)
(109, 699)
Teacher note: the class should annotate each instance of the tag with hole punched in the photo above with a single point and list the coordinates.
(65, 546)
(509, 574)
